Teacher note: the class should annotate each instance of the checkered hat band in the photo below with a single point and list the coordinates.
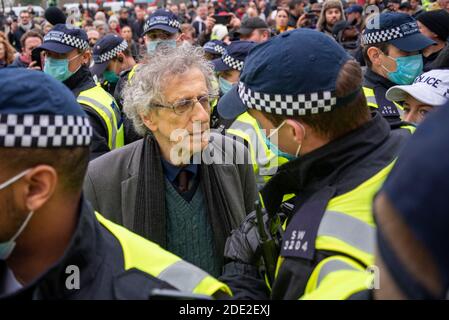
(219, 49)
(68, 40)
(232, 63)
(109, 55)
(44, 131)
(288, 105)
(382, 36)
(171, 23)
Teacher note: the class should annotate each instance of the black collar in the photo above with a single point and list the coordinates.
(324, 166)
(80, 81)
(373, 79)
(83, 252)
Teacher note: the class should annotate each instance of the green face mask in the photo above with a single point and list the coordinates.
(110, 76)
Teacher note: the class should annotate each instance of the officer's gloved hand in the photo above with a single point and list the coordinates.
(243, 245)
(243, 253)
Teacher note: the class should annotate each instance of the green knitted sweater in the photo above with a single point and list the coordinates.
(189, 232)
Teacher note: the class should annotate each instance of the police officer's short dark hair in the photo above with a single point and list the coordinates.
(343, 119)
(69, 163)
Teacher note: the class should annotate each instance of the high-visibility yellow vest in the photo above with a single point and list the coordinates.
(372, 103)
(264, 160)
(132, 72)
(148, 257)
(105, 106)
(338, 278)
(346, 228)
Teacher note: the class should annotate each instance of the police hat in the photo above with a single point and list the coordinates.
(215, 47)
(431, 88)
(234, 57)
(398, 29)
(105, 50)
(62, 39)
(162, 19)
(292, 74)
(37, 111)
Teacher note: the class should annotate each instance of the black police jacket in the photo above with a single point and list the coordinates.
(78, 82)
(344, 164)
(99, 257)
(386, 108)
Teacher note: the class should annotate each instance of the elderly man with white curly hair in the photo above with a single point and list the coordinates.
(180, 186)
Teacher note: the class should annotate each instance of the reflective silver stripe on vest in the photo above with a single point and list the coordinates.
(261, 156)
(183, 276)
(353, 231)
(332, 266)
(110, 115)
(371, 99)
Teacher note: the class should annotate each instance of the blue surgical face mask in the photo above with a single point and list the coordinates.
(275, 149)
(58, 68)
(224, 84)
(153, 45)
(407, 69)
(7, 247)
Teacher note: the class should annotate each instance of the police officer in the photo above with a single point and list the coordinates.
(342, 156)
(111, 57)
(228, 68)
(412, 248)
(52, 243)
(249, 125)
(162, 28)
(246, 126)
(428, 92)
(392, 45)
(66, 60)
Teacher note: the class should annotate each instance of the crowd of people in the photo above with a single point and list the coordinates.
(226, 149)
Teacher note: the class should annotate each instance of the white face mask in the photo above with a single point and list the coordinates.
(7, 247)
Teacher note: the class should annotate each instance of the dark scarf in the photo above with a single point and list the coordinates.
(150, 217)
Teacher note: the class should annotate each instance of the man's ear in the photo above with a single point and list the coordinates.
(41, 185)
(150, 119)
(374, 56)
(181, 38)
(298, 130)
(86, 57)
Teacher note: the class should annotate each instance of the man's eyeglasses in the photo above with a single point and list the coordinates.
(186, 105)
